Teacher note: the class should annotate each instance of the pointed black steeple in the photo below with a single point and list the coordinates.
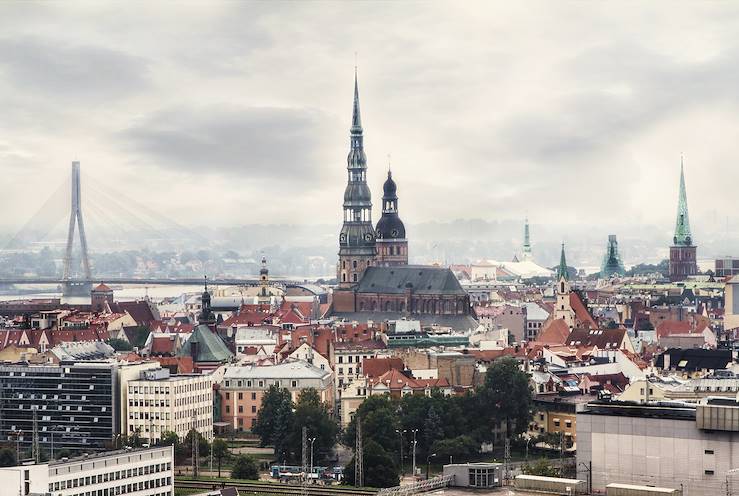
(357, 238)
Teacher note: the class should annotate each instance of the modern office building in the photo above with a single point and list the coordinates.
(665, 444)
(77, 405)
(135, 472)
(159, 402)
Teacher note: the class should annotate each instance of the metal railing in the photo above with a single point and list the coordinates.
(417, 487)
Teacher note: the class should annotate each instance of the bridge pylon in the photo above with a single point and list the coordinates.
(80, 286)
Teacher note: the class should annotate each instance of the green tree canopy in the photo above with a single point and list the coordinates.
(119, 344)
(380, 420)
(380, 469)
(312, 413)
(542, 468)
(244, 467)
(506, 396)
(274, 420)
(220, 451)
(203, 445)
(7, 457)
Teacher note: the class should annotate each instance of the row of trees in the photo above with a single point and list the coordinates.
(280, 423)
(445, 426)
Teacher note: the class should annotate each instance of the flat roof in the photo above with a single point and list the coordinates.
(652, 489)
(104, 454)
(663, 410)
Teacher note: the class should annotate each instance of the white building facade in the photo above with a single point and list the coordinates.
(159, 403)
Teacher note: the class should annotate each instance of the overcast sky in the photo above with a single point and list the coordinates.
(235, 113)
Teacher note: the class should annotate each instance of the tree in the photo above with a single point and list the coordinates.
(312, 413)
(274, 419)
(506, 396)
(203, 445)
(244, 467)
(432, 428)
(542, 468)
(169, 438)
(460, 448)
(380, 419)
(119, 344)
(220, 451)
(380, 469)
(8, 458)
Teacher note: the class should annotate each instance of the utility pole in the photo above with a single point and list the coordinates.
(400, 433)
(35, 448)
(358, 456)
(507, 459)
(195, 448)
(414, 431)
(312, 440)
(304, 454)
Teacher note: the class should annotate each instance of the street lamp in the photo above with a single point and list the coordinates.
(312, 440)
(428, 464)
(414, 431)
(528, 440)
(400, 433)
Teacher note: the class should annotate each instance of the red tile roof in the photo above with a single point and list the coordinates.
(581, 311)
(163, 345)
(553, 331)
(375, 367)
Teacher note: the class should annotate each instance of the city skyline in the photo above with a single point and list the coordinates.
(221, 111)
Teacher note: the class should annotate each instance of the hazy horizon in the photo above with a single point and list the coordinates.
(238, 113)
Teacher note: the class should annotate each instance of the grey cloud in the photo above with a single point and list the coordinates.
(54, 69)
(256, 142)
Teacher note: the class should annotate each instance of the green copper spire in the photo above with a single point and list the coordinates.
(682, 224)
(562, 269)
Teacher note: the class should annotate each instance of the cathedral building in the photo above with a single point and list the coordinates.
(683, 251)
(375, 281)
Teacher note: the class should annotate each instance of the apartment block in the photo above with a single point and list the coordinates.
(135, 472)
(243, 388)
(159, 402)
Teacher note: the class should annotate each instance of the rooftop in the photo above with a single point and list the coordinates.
(289, 369)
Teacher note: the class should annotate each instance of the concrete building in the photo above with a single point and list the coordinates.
(475, 475)
(731, 304)
(673, 445)
(137, 472)
(243, 388)
(159, 402)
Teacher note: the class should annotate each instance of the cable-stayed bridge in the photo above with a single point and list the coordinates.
(118, 217)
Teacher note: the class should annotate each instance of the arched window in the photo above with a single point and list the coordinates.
(343, 277)
(562, 287)
(354, 277)
(354, 264)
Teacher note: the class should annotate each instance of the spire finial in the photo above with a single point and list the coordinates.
(389, 171)
(356, 116)
(205, 276)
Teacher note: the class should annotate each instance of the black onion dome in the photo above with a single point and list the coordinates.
(390, 189)
(390, 227)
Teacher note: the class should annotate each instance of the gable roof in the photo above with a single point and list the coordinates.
(140, 311)
(211, 348)
(375, 367)
(694, 359)
(581, 311)
(421, 279)
(668, 327)
(553, 331)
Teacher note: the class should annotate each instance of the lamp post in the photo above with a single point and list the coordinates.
(414, 431)
(428, 464)
(312, 440)
(400, 433)
(528, 440)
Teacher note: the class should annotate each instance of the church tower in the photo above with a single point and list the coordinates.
(357, 248)
(683, 251)
(563, 309)
(392, 245)
(264, 296)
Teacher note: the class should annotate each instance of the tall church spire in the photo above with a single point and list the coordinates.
(682, 223)
(357, 248)
(356, 114)
(562, 269)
